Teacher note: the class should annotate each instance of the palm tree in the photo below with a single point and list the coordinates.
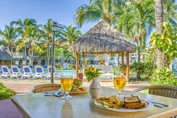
(47, 36)
(107, 10)
(137, 18)
(70, 34)
(29, 35)
(169, 11)
(61, 52)
(159, 23)
(22, 24)
(9, 35)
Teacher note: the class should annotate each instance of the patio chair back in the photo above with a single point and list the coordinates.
(50, 69)
(39, 69)
(5, 69)
(27, 69)
(161, 90)
(15, 72)
(56, 74)
(27, 72)
(45, 88)
(15, 69)
(5, 72)
(39, 72)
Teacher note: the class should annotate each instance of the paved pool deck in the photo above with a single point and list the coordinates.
(25, 85)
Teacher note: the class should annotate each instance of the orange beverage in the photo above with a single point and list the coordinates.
(119, 83)
(66, 83)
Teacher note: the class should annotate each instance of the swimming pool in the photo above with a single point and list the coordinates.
(67, 72)
(63, 72)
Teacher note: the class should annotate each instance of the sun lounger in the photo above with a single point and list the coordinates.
(39, 72)
(107, 71)
(5, 72)
(15, 72)
(27, 72)
(56, 75)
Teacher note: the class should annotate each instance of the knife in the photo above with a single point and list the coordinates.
(158, 104)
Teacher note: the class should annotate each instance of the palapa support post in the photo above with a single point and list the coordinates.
(77, 64)
(122, 58)
(127, 66)
(118, 60)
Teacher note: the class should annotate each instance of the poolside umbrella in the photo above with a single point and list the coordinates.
(101, 39)
(101, 57)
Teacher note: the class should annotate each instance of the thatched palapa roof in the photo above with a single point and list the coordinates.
(102, 38)
(4, 55)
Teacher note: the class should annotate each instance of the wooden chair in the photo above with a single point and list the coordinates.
(45, 88)
(161, 90)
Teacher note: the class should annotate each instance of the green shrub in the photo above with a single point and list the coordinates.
(137, 67)
(119, 69)
(122, 68)
(163, 76)
(59, 67)
(5, 92)
(116, 71)
(72, 67)
(149, 66)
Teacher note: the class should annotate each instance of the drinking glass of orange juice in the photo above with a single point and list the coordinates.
(119, 84)
(66, 82)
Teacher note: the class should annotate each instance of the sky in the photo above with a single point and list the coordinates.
(61, 11)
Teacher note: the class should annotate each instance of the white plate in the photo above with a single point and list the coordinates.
(148, 107)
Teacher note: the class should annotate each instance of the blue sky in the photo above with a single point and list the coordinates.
(61, 11)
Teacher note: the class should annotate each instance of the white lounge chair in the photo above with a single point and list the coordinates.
(39, 72)
(5, 72)
(56, 75)
(27, 72)
(106, 70)
(15, 72)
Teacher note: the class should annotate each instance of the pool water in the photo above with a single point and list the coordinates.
(67, 72)
(63, 72)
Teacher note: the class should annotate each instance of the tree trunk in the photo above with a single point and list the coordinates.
(11, 59)
(161, 60)
(32, 56)
(10, 48)
(48, 53)
(25, 55)
(158, 54)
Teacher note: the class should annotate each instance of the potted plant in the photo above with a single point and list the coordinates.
(92, 75)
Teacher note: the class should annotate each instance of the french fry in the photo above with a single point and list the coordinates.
(111, 101)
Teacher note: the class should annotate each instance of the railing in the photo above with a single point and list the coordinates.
(21, 55)
(17, 54)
